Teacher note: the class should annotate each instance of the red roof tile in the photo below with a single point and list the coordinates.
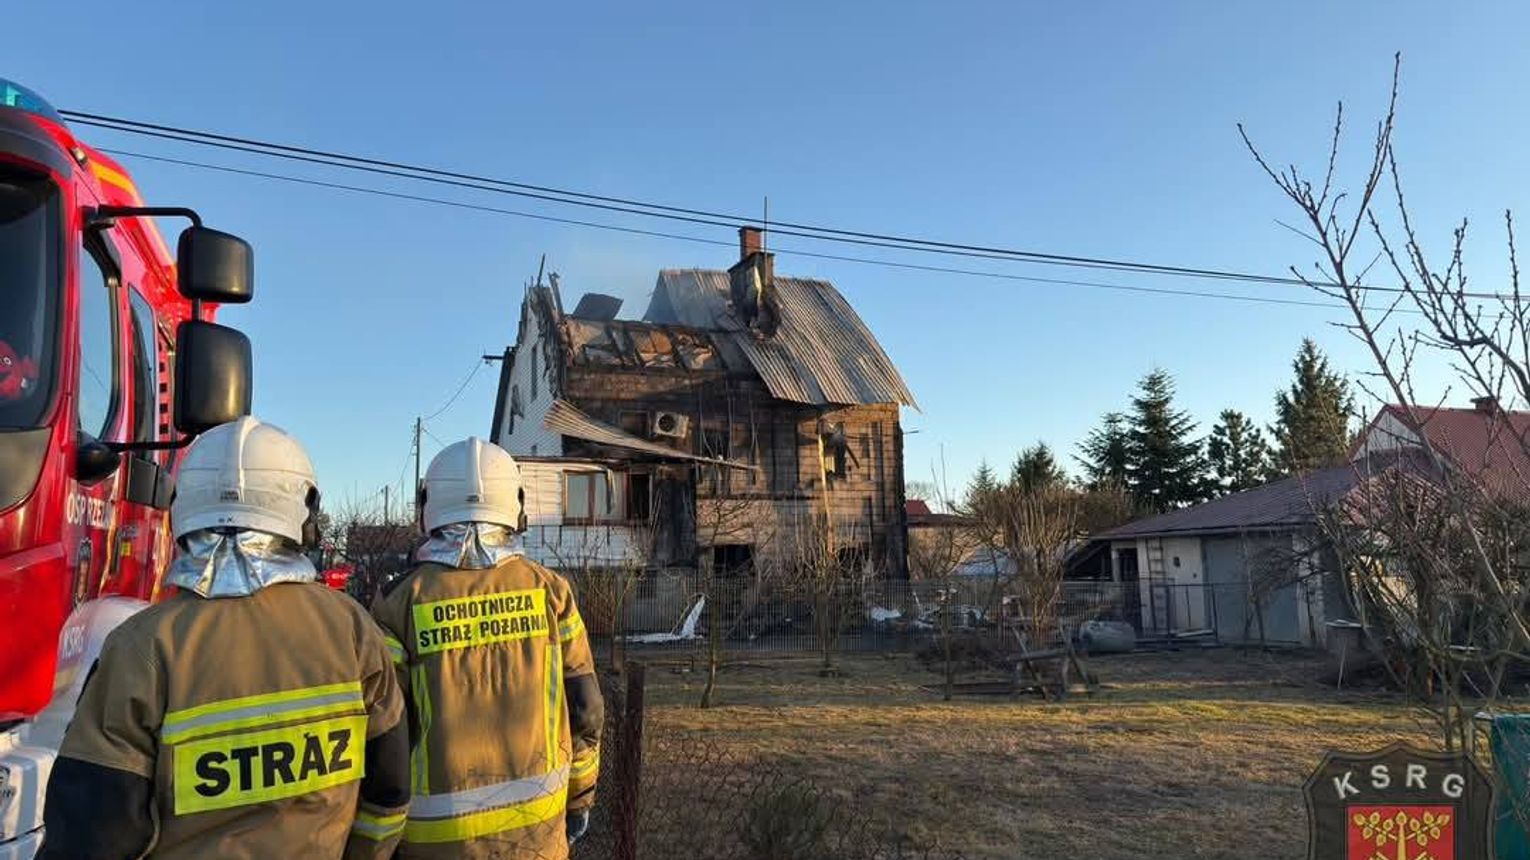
(1493, 447)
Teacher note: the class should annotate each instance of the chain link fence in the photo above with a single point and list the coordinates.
(686, 612)
(680, 796)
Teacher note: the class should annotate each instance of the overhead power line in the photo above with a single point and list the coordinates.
(629, 206)
(478, 364)
(791, 252)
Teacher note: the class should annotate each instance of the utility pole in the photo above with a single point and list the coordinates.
(385, 504)
(418, 426)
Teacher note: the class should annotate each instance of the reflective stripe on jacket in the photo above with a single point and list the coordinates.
(483, 656)
(250, 715)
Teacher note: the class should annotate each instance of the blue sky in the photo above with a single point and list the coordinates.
(1103, 129)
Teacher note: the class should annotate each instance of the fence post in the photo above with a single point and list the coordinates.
(629, 765)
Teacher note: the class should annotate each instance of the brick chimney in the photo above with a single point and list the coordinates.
(1485, 405)
(751, 240)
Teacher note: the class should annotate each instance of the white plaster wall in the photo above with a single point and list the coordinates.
(524, 434)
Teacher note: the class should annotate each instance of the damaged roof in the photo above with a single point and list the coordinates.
(637, 345)
(821, 354)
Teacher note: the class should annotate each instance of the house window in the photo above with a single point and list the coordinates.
(713, 480)
(835, 447)
(634, 422)
(714, 439)
(590, 497)
(639, 497)
(732, 559)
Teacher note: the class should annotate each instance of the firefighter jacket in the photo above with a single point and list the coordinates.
(505, 705)
(263, 726)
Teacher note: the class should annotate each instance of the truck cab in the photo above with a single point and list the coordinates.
(109, 366)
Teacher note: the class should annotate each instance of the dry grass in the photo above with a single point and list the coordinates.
(1184, 755)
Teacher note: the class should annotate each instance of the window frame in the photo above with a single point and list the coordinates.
(144, 325)
(98, 247)
(629, 509)
(615, 512)
(51, 355)
(642, 417)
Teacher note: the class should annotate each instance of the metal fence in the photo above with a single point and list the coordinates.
(679, 796)
(680, 610)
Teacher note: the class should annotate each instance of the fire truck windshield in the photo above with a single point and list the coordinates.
(30, 286)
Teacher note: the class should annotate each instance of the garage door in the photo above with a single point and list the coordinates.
(1228, 575)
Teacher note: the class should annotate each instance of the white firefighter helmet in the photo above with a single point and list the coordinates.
(245, 474)
(472, 481)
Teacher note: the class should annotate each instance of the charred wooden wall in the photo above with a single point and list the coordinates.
(736, 418)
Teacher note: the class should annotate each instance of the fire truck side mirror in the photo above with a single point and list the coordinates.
(212, 376)
(213, 266)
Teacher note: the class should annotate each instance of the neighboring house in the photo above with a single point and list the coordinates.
(1485, 442)
(740, 414)
(1213, 566)
(1209, 566)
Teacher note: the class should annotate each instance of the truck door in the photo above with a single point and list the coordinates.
(141, 552)
(100, 413)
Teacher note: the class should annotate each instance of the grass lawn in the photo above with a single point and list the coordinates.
(1191, 754)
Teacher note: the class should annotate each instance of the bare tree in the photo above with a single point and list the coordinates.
(377, 548)
(723, 518)
(934, 556)
(1037, 525)
(1432, 548)
(604, 562)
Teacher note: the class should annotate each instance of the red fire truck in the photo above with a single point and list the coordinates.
(109, 365)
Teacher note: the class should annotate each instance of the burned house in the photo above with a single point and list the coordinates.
(741, 411)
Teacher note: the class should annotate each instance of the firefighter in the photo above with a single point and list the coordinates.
(254, 713)
(505, 707)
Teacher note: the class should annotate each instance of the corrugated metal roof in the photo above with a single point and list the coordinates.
(565, 418)
(821, 354)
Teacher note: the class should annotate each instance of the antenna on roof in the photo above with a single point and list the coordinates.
(765, 226)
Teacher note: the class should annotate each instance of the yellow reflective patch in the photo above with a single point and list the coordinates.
(377, 827)
(285, 696)
(467, 622)
(257, 767)
(489, 822)
(585, 764)
(395, 650)
(419, 763)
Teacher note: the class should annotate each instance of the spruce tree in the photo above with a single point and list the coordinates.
(1239, 457)
(983, 486)
(1036, 469)
(1103, 453)
(1312, 417)
(1165, 469)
